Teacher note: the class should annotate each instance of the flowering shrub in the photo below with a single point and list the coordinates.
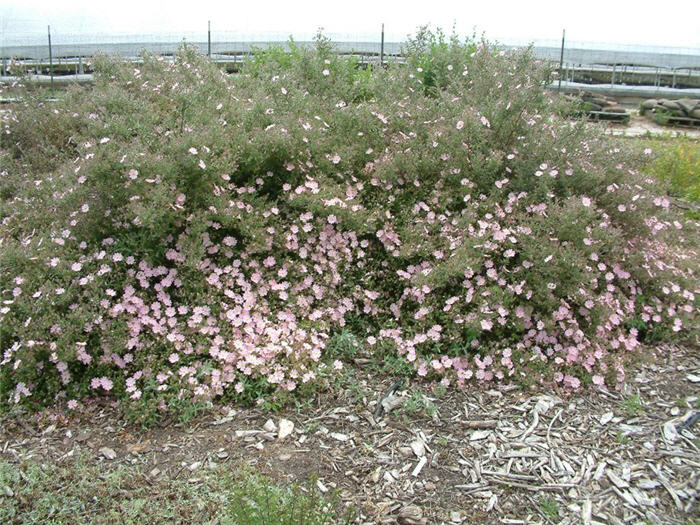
(182, 234)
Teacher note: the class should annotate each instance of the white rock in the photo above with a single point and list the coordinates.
(270, 426)
(340, 437)
(693, 378)
(286, 428)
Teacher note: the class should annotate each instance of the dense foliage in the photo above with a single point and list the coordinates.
(174, 233)
(678, 164)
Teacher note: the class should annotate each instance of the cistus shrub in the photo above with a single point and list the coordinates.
(181, 234)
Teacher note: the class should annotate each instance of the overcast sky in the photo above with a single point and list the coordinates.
(673, 23)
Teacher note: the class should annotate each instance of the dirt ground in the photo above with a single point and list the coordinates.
(643, 126)
(498, 455)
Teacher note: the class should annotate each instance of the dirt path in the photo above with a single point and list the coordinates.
(489, 456)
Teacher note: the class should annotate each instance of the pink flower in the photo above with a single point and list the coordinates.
(76, 267)
(486, 324)
(72, 404)
(485, 121)
(586, 201)
(460, 124)
(326, 72)
(192, 151)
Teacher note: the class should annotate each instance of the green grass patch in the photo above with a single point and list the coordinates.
(82, 492)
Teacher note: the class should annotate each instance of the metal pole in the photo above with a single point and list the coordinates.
(50, 59)
(209, 39)
(381, 49)
(561, 57)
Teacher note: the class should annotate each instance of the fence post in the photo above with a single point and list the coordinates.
(561, 59)
(209, 38)
(50, 59)
(381, 49)
(612, 80)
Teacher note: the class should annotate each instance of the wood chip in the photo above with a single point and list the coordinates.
(108, 453)
(418, 447)
(667, 486)
(478, 435)
(419, 466)
(616, 480)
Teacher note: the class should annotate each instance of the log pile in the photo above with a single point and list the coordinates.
(596, 106)
(684, 111)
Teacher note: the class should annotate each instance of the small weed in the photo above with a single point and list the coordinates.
(621, 438)
(550, 508)
(439, 390)
(632, 405)
(419, 405)
(343, 344)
